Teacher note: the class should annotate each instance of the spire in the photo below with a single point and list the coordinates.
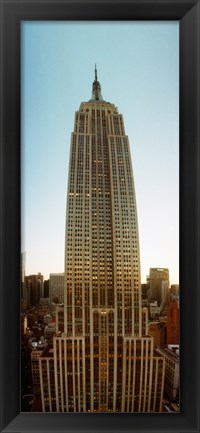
(96, 88)
(96, 72)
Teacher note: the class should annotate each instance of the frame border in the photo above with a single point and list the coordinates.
(188, 14)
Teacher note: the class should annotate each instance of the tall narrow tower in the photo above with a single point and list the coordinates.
(104, 359)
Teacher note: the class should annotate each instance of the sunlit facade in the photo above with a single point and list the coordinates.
(104, 360)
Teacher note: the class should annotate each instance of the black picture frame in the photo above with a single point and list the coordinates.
(188, 14)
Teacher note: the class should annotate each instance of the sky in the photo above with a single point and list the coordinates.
(138, 68)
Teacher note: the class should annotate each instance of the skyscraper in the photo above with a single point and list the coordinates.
(104, 359)
(158, 285)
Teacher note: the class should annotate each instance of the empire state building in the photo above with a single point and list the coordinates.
(103, 359)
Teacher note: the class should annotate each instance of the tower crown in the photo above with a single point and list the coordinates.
(96, 88)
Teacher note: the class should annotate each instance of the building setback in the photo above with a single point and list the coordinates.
(104, 360)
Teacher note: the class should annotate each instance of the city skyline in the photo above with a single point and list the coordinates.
(53, 85)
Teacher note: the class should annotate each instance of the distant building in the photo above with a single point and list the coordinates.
(171, 354)
(56, 287)
(34, 288)
(174, 293)
(154, 309)
(145, 288)
(47, 319)
(158, 285)
(173, 322)
(49, 331)
(174, 290)
(46, 288)
(23, 287)
(164, 293)
(44, 302)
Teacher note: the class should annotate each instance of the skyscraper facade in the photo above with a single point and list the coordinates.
(104, 360)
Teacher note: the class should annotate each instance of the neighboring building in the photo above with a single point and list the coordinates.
(158, 280)
(173, 322)
(171, 354)
(35, 355)
(56, 288)
(47, 381)
(104, 360)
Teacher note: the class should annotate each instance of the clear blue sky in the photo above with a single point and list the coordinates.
(138, 68)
